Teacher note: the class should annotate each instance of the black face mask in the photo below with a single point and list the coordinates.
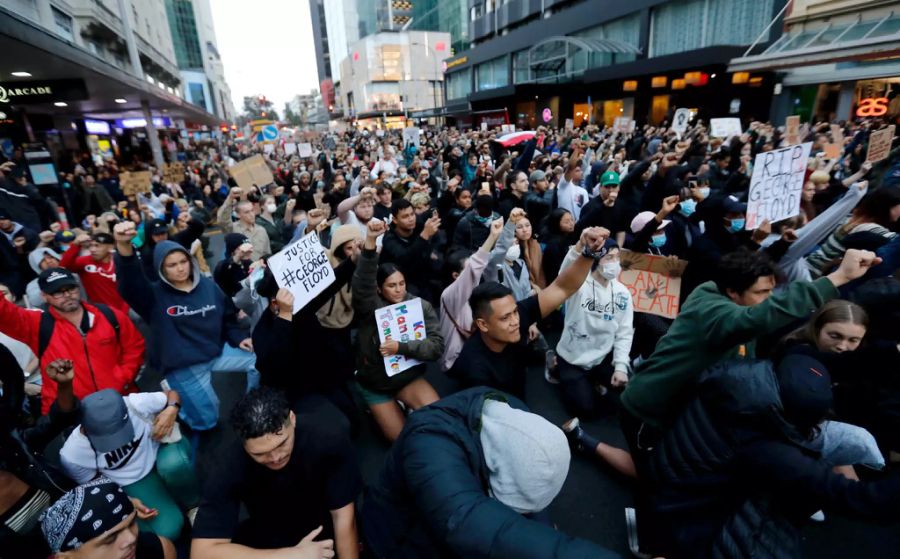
(245, 262)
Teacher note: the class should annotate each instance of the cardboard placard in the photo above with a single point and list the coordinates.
(623, 124)
(268, 148)
(134, 181)
(837, 134)
(303, 269)
(250, 171)
(792, 131)
(880, 144)
(173, 172)
(776, 184)
(411, 136)
(304, 150)
(680, 121)
(484, 126)
(504, 128)
(725, 127)
(654, 282)
(570, 124)
(401, 322)
(832, 151)
(290, 148)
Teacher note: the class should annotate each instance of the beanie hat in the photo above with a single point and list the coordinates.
(527, 457)
(233, 241)
(805, 389)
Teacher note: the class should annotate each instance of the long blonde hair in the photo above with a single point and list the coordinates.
(836, 310)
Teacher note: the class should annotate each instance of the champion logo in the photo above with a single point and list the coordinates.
(182, 310)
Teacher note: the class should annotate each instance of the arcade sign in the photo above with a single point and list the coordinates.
(46, 91)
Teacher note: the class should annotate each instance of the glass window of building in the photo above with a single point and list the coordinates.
(492, 74)
(692, 24)
(63, 23)
(521, 71)
(195, 90)
(626, 30)
(459, 84)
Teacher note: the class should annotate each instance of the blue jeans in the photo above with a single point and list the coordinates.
(848, 445)
(199, 402)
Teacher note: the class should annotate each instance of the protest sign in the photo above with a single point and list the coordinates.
(725, 127)
(680, 120)
(290, 148)
(654, 282)
(623, 124)
(268, 148)
(880, 144)
(401, 322)
(792, 130)
(304, 150)
(173, 172)
(832, 151)
(837, 134)
(484, 126)
(250, 171)
(570, 124)
(504, 128)
(411, 136)
(379, 133)
(134, 182)
(776, 184)
(303, 269)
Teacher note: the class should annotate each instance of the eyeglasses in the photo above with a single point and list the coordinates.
(66, 292)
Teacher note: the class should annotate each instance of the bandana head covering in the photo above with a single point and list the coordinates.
(84, 513)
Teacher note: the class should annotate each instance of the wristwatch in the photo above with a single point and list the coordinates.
(174, 405)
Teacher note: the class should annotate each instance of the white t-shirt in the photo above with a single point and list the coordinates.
(127, 464)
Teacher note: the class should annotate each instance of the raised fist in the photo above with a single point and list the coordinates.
(375, 228)
(124, 232)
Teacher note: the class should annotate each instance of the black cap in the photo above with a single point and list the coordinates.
(233, 241)
(805, 387)
(732, 205)
(157, 227)
(103, 238)
(52, 280)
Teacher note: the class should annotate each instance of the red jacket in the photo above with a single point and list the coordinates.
(98, 278)
(100, 361)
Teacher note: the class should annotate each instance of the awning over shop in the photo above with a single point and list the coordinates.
(94, 88)
(833, 42)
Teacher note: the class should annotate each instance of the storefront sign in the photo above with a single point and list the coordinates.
(880, 144)
(97, 127)
(456, 62)
(872, 106)
(47, 91)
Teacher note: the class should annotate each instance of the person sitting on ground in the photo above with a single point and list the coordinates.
(121, 440)
(39, 259)
(194, 323)
(104, 344)
(245, 224)
(96, 521)
(97, 271)
(358, 210)
(409, 251)
(280, 456)
(472, 476)
(497, 354)
(375, 287)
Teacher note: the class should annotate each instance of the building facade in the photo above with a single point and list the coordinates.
(836, 60)
(534, 62)
(194, 40)
(392, 73)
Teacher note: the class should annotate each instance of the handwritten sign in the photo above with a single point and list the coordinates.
(623, 124)
(402, 322)
(880, 144)
(776, 184)
(134, 182)
(173, 172)
(304, 150)
(654, 282)
(725, 127)
(792, 131)
(303, 269)
(250, 171)
(290, 148)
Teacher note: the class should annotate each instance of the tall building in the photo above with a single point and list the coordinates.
(835, 60)
(194, 38)
(551, 61)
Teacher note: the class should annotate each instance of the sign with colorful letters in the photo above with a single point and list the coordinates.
(402, 322)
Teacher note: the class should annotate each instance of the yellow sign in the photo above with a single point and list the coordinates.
(457, 62)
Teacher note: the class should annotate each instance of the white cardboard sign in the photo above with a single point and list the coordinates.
(776, 184)
(303, 269)
(402, 322)
(725, 127)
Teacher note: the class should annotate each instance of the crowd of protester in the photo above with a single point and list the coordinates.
(772, 396)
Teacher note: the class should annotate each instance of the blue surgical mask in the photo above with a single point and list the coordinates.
(704, 190)
(737, 225)
(688, 207)
(658, 240)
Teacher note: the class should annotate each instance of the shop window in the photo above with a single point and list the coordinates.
(195, 91)
(659, 108)
(612, 109)
(581, 112)
(492, 74)
(459, 84)
(521, 72)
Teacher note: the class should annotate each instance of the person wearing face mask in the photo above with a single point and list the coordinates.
(596, 339)
(273, 226)
(472, 230)
(650, 230)
(231, 270)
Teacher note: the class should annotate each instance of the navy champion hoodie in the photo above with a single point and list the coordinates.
(188, 327)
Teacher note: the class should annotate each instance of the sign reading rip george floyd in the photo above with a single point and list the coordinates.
(402, 322)
(776, 184)
(654, 282)
(46, 91)
(303, 269)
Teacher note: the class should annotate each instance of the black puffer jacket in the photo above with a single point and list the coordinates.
(733, 478)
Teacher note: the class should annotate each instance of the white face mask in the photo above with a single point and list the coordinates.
(611, 270)
(513, 253)
(271, 208)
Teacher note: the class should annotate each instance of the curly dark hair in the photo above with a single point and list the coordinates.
(740, 269)
(261, 411)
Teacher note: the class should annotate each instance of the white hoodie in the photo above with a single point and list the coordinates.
(598, 320)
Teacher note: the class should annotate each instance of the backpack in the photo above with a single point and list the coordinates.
(48, 323)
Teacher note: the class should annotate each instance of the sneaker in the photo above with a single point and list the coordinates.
(632, 529)
(550, 373)
(818, 516)
(579, 439)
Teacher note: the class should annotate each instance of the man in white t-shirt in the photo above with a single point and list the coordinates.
(571, 196)
(120, 438)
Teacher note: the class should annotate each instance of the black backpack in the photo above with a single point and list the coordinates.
(48, 323)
